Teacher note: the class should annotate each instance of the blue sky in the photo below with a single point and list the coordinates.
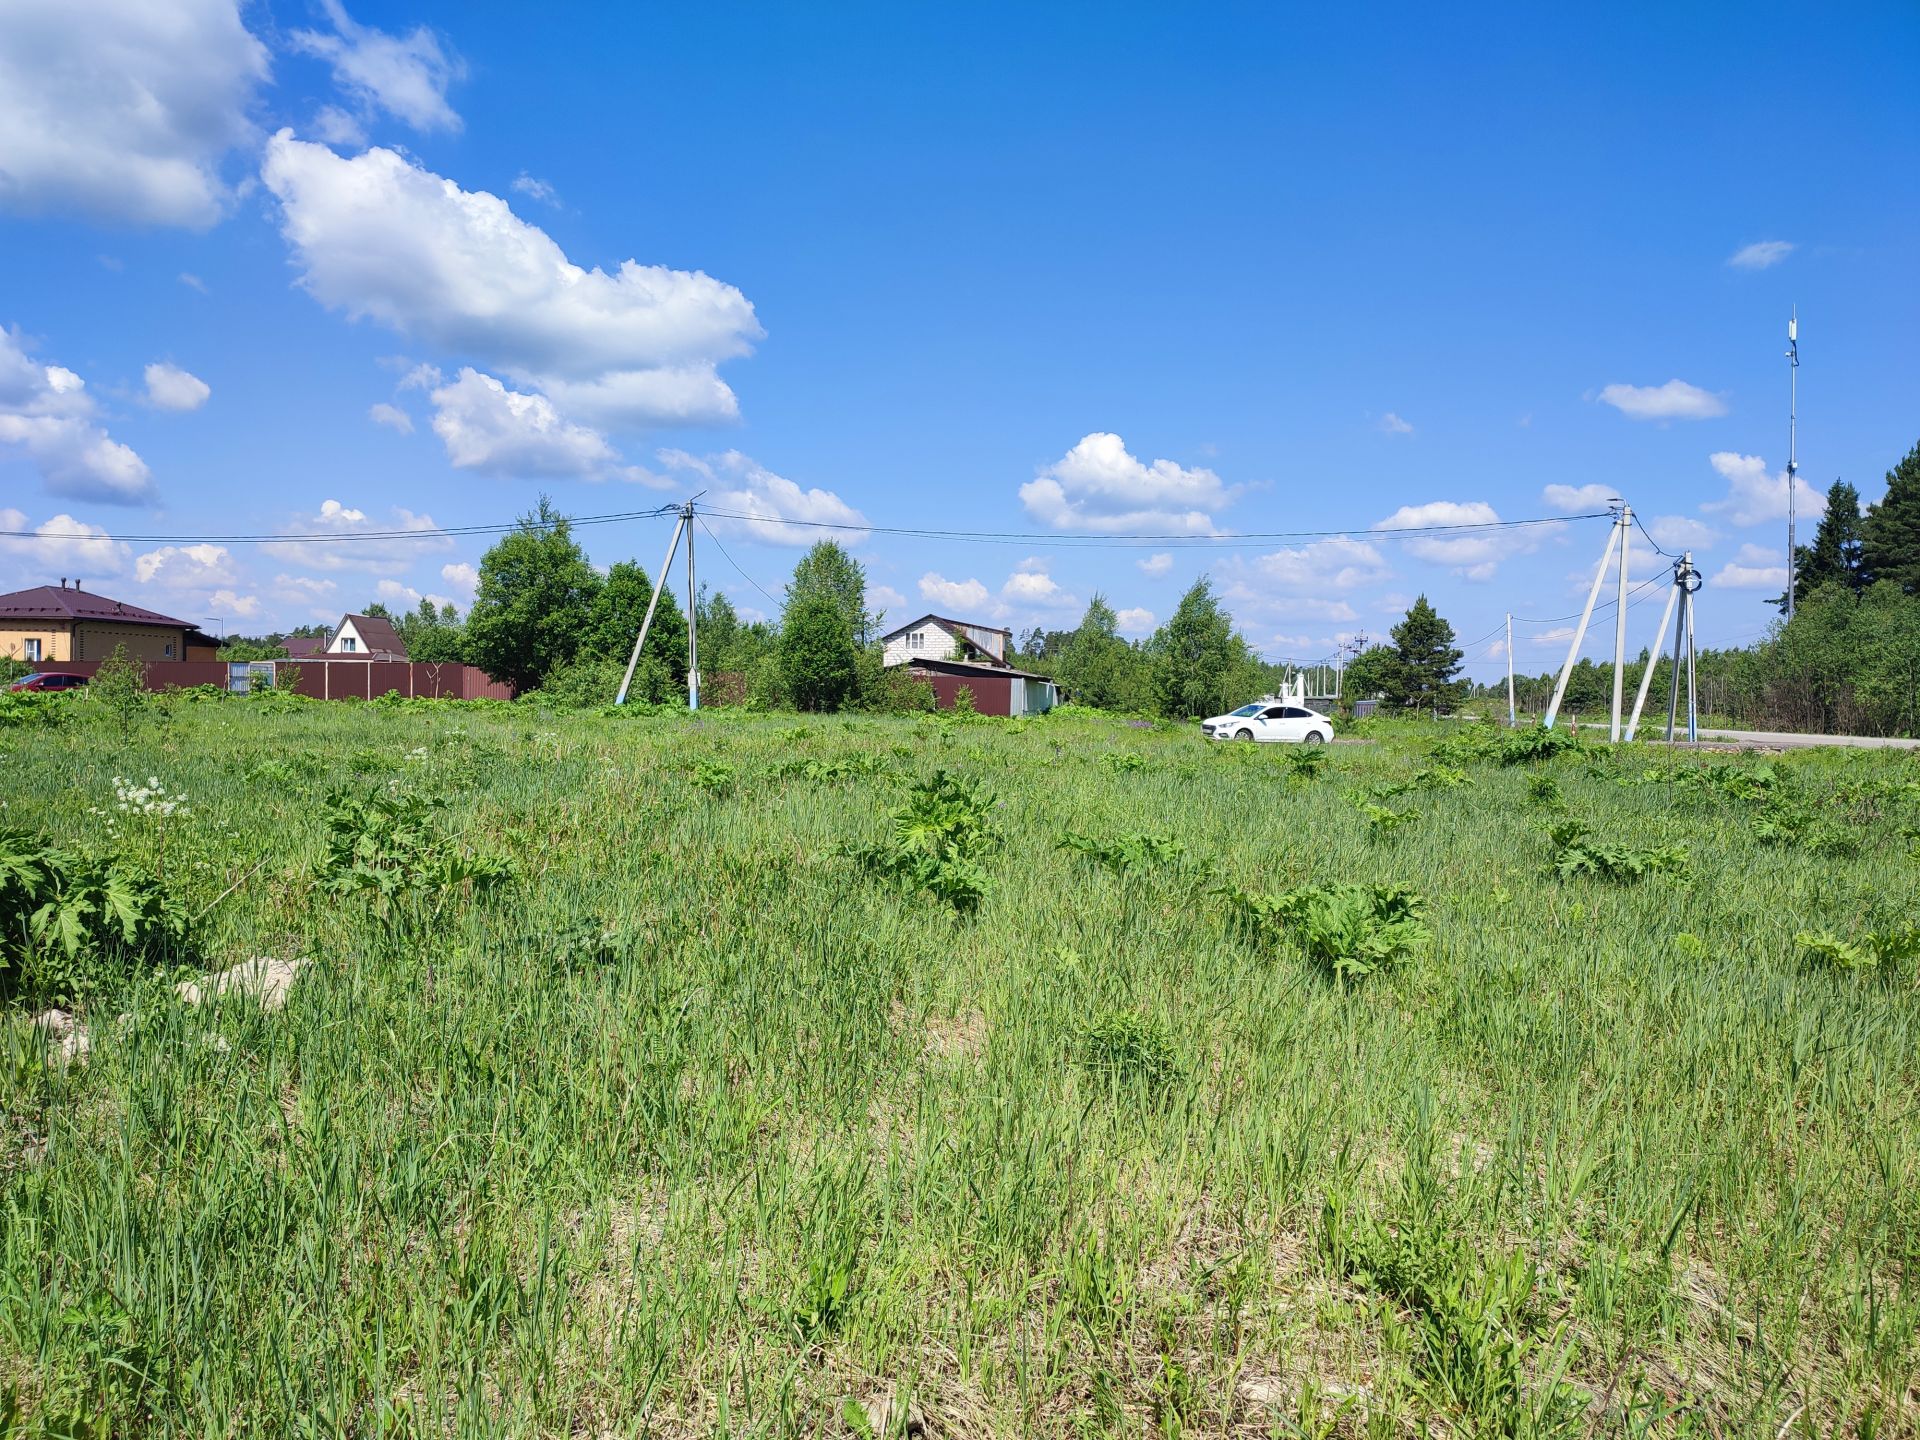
(1070, 271)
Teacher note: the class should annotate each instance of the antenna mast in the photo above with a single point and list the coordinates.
(1793, 458)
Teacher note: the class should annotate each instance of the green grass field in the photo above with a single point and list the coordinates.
(628, 1094)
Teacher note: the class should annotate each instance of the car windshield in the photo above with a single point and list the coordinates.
(1248, 710)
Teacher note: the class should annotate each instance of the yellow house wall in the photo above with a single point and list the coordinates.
(95, 641)
(54, 642)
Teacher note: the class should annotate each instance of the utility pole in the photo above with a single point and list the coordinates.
(1620, 623)
(1580, 630)
(1793, 442)
(693, 621)
(1686, 581)
(1512, 716)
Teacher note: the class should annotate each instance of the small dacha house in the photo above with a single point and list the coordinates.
(952, 655)
(64, 624)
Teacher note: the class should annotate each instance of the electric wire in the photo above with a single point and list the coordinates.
(733, 562)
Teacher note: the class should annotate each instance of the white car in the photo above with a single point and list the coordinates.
(1271, 720)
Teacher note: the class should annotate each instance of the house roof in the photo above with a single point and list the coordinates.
(378, 634)
(950, 624)
(63, 602)
(974, 667)
(296, 645)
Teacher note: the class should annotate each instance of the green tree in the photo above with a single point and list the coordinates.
(1426, 663)
(1834, 556)
(613, 622)
(119, 686)
(1890, 535)
(1093, 664)
(1369, 674)
(827, 569)
(432, 634)
(1193, 654)
(817, 653)
(534, 602)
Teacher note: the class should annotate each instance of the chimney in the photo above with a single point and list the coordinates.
(63, 582)
(76, 582)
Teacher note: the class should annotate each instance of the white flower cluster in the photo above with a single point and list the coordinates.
(148, 799)
(417, 755)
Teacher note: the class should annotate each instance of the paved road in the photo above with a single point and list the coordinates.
(1779, 740)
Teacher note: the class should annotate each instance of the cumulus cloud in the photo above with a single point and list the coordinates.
(1675, 400)
(1471, 555)
(186, 567)
(764, 506)
(231, 605)
(1754, 496)
(1134, 621)
(1548, 639)
(535, 189)
(171, 388)
(1761, 255)
(963, 598)
(1392, 424)
(355, 541)
(1098, 485)
(47, 412)
(381, 238)
(391, 416)
(885, 599)
(487, 427)
(1030, 584)
(404, 75)
(1681, 532)
(1156, 565)
(1338, 564)
(122, 110)
(460, 577)
(1576, 499)
(61, 546)
(1756, 567)
(313, 595)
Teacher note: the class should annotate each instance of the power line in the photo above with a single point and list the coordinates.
(735, 563)
(423, 532)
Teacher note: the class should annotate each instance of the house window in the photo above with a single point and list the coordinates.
(33, 648)
(169, 649)
(349, 645)
(916, 639)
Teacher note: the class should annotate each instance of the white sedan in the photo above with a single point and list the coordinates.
(1271, 720)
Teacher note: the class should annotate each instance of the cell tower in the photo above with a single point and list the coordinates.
(1793, 458)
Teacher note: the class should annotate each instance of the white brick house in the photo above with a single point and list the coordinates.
(935, 637)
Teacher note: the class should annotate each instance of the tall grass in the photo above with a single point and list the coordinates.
(682, 1125)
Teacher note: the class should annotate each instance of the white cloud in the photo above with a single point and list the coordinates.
(420, 377)
(1098, 485)
(406, 76)
(1681, 532)
(171, 388)
(764, 506)
(1559, 635)
(461, 577)
(193, 281)
(61, 546)
(961, 598)
(1473, 555)
(1252, 598)
(1675, 400)
(1392, 424)
(1760, 255)
(1156, 565)
(1575, 499)
(337, 127)
(1339, 564)
(122, 110)
(498, 431)
(312, 594)
(229, 605)
(1029, 585)
(383, 239)
(535, 189)
(1756, 567)
(886, 599)
(45, 409)
(1134, 621)
(356, 541)
(391, 416)
(186, 567)
(1755, 497)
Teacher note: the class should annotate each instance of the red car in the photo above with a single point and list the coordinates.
(49, 680)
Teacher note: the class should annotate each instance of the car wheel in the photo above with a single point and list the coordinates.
(1314, 737)
(1244, 735)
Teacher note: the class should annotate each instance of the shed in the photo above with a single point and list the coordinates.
(997, 689)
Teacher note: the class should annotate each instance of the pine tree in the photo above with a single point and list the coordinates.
(1834, 557)
(1891, 531)
(1425, 661)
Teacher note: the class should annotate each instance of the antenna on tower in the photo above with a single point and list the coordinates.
(1793, 458)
